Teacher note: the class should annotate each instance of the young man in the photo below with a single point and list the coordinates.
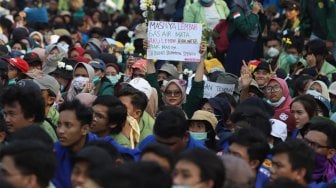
(23, 106)
(73, 132)
(136, 103)
(27, 164)
(170, 129)
(321, 137)
(293, 159)
(251, 145)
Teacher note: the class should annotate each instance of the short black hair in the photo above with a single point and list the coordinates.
(117, 111)
(31, 102)
(284, 182)
(138, 98)
(34, 132)
(209, 164)
(300, 155)
(254, 140)
(162, 151)
(110, 148)
(317, 47)
(327, 128)
(83, 113)
(32, 157)
(171, 122)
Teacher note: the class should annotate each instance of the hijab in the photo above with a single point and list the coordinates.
(181, 85)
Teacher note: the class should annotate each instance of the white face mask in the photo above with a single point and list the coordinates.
(278, 103)
(273, 52)
(80, 82)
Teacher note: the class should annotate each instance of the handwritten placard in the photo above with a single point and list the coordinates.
(211, 89)
(175, 41)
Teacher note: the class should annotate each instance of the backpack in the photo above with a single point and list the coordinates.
(222, 40)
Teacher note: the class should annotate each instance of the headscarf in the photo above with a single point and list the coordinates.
(285, 92)
(51, 60)
(325, 91)
(181, 85)
(41, 43)
(72, 91)
(78, 49)
(41, 52)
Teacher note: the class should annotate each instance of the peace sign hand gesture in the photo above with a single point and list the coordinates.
(245, 76)
(273, 72)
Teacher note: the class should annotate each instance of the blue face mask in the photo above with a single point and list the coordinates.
(292, 59)
(96, 79)
(11, 82)
(199, 136)
(113, 79)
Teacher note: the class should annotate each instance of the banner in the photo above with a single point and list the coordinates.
(175, 41)
(211, 89)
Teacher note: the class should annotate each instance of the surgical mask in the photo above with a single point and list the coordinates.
(199, 136)
(113, 79)
(54, 57)
(96, 79)
(278, 103)
(11, 82)
(205, 1)
(181, 186)
(291, 59)
(80, 82)
(272, 52)
(120, 59)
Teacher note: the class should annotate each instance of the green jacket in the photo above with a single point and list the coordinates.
(244, 25)
(49, 129)
(325, 12)
(327, 69)
(195, 12)
(106, 87)
(194, 98)
(53, 115)
(146, 125)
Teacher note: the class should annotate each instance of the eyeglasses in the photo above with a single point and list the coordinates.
(314, 145)
(172, 93)
(275, 88)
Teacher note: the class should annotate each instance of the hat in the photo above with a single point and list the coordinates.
(27, 86)
(292, 6)
(98, 64)
(60, 32)
(35, 73)
(212, 65)
(19, 63)
(140, 31)
(332, 88)
(140, 64)
(141, 85)
(36, 15)
(202, 115)
(279, 129)
(170, 69)
(32, 57)
(262, 66)
(319, 98)
(48, 82)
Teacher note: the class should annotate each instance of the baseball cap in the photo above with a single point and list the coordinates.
(141, 85)
(48, 82)
(170, 69)
(262, 66)
(27, 86)
(19, 63)
(140, 64)
(32, 57)
(202, 115)
(332, 88)
(279, 129)
(98, 64)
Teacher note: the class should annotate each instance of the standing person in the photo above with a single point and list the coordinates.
(245, 27)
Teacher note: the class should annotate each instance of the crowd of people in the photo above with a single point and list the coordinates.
(82, 106)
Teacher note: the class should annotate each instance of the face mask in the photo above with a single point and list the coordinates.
(252, 4)
(198, 136)
(181, 186)
(11, 82)
(120, 59)
(292, 59)
(61, 88)
(272, 52)
(79, 82)
(205, 1)
(113, 79)
(278, 103)
(54, 58)
(96, 79)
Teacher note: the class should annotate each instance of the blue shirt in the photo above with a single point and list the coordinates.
(192, 143)
(65, 160)
(264, 172)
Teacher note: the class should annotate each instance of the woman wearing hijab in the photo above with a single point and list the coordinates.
(54, 54)
(277, 94)
(245, 28)
(82, 80)
(321, 88)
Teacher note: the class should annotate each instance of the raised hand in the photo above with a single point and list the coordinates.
(245, 75)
